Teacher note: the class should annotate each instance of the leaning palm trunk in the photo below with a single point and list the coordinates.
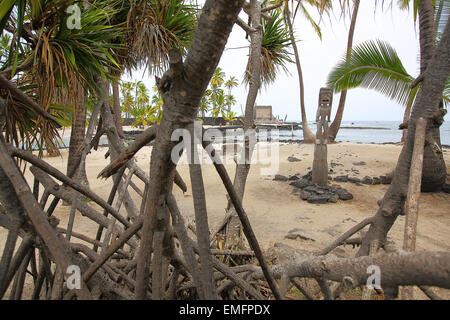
(405, 120)
(336, 124)
(434, 170)
(308, 136)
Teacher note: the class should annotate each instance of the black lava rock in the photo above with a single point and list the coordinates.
(302, 183)
(308, 176)
(334, 164)
(318, 198)
(367, 180)
(293, 159)
(376, 180)
(305, 195)
(344, 194)
(341, 178)
(354, 179)
(446, 188)
(280, 177)
(311, 188)
(333, 198)
(386, 179)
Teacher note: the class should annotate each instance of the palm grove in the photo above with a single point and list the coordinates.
(53, 70)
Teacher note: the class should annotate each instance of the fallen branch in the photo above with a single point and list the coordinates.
(417, 268)
(232, 252)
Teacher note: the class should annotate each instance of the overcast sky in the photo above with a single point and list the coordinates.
(318, 57)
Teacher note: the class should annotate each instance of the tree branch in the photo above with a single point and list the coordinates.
(418, 268)
(19, 95)
(241, 23)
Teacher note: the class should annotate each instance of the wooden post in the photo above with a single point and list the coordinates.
(320, 163)
(412, 199)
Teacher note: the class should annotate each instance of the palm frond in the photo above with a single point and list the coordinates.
(155, 27)
(23, 127)
(308, 17)
(60, 63)
(6, 8)
(373, 65)
(275, 54)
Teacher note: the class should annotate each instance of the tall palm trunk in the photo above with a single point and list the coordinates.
(76, 142)
(308, 136)
(233, 231)
(434, 170)
(336, 124)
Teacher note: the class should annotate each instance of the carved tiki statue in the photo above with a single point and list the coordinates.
(323, 114)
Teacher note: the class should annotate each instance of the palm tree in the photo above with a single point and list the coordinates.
(218, 78)
(53, 64)
(127, 99)
(376, 65)
(230, 84)
(204, 103)
(427, 104)
(215, 100)
(230, 100)
(403, 4)
(269, 43)
(157, 106)
(153, 28)
(322, 6)
(219, 102)
(215, 94)
(434, 169)
(275, 55)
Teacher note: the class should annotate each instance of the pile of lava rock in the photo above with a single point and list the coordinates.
(313, 193)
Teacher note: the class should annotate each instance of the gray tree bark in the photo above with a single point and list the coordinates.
(426, 106)
(182, 87)
(116, 108)
(234, 227)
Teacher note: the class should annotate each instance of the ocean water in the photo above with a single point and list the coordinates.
(367, 132)
(350, 131)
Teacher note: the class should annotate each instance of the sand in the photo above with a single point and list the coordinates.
(273, 208)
